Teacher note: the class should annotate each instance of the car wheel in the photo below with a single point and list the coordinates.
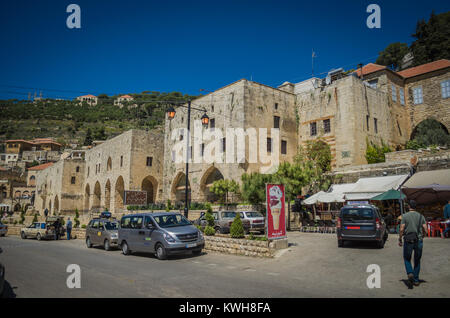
(125, 249)
(160, 252)
(107, 246)
(380, 244)
(38, 236)
(218, 230)
(22, 235)
(88, 242)
(196, 252)
(340, 243)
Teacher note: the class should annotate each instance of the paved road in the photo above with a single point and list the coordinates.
(312, 267)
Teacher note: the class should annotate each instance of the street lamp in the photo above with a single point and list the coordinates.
(205, 121)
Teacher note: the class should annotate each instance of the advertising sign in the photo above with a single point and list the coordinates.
(135, 198)
(276, 212)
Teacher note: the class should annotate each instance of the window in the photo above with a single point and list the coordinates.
(276, 122)
(313, 129)
(402, 96)
(326, 126)
(373, 84)
(77, 169)
(394, 93)
(275, 106)
(399, 130)
(121, 161)
(224, 144)
(283, 147)
(149, 161)
(212, 123)
(212, 108)
(445, 89)
(269, 144)
(173, 155)
(202, 150)
(88, 172)
(72, 180)
(375, 124)
(148, 221)
(136, 222)
(367, 122)
(126, 222)
(181, 137)
(418, 95)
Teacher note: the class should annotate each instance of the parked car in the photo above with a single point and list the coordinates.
(361, 223)
(160, 233)
(223, 221)
(3, 229)
(44, 230)
(257, 220)
(104, 232)
(2, 277)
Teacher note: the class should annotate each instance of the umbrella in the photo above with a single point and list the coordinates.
(433, 193)
(389, 195)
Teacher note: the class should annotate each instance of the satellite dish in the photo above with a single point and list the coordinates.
(315, 83)
(328, 80)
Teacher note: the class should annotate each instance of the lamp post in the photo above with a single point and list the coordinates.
(205, 121)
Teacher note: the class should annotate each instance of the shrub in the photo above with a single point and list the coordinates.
(199, 227)
(209, 216)
(83, 226)
(35, 218)
(15, 222)
(77, 221)
(237, 229)
(209, 230)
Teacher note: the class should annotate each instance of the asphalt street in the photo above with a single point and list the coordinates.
(313, 266)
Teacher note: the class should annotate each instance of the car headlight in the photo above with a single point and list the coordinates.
(169, 238)
(200, 235)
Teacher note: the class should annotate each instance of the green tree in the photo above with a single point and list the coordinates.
(223, 187)
(237, 228)
(393, 55)
(376, 153)
(209, 216)
(88, 139)
(429, 132)
(432, 39)
(254, 187)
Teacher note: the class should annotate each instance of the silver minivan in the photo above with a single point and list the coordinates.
(162, 234)
(102, 232)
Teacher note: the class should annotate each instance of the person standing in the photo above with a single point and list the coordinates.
(447, 218)
(412, 230)
(69, 228)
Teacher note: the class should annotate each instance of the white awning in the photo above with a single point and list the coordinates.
(324, 197)
(367, 188)
(313, 199)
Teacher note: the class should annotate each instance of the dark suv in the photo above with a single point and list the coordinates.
(361, 223)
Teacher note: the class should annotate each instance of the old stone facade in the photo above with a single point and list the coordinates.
(241, 107)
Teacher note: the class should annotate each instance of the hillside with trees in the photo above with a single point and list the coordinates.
(72, 122)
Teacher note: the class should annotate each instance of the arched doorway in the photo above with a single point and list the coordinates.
(178, 188)
(56, 206)
(97, 196)
(150, 185)
(17, 208)
(430, 132)
(211, 175)
(108, 195)
(119, 189)
(109, 164)
(87, 198)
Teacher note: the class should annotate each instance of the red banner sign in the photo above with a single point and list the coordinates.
(275, 215)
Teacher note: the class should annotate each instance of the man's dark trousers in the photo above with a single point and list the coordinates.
(408, 249)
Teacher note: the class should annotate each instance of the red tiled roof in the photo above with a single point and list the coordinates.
(41, 167)
(3, 169)
(425, 68)
(20, 140)
(126, 96)
(369, 68)
(89, 95)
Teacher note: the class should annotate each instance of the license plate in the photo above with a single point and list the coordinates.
(191, 245)
(352, 227)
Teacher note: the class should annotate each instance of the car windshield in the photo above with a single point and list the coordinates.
(111, 225)
(229, 215)
(171, 220)
(357, 214)
(254, 215)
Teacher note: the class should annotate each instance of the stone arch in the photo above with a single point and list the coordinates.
(17, 194)
(97, 196)
(178, 188)
(119, 189)
(109, 164)
(211, 174)
(32, 181)
(87, 198)
(17, 207)
(44, 199)
(56, 205)
(150, 185)
(430, 120)
(50, 207)
(108, 195)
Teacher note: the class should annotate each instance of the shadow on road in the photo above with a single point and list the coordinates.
(361, 245)
(170, 257)
(409, 285)
(8, 292)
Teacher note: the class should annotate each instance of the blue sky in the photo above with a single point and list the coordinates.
(136, 45)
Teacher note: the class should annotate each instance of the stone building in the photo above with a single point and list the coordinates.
(130, 161)
(239, 107)
(374, 104)
(89, 99)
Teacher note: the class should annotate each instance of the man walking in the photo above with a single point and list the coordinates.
(412, 230)
(68, 228)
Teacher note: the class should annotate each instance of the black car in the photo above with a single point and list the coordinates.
(2, 277)
(361, 223)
